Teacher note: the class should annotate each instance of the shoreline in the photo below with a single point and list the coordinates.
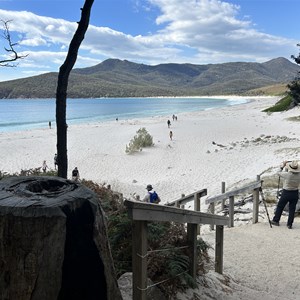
(208, 147)
(19, 123)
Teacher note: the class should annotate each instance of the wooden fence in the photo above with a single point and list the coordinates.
(253, 187)
(141, 213)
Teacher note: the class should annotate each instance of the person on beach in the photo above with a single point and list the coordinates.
(55, 161)
(151, 196)
(44, 166)
(169, 123)
(49, 124)
(171, 135)
(291, 182)
(75, 174)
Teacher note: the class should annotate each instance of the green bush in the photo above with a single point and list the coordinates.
(281, 105)
(140, 140)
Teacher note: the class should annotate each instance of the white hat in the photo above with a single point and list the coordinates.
(293, 166)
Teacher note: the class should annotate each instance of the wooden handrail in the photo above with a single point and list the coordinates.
(246, 188)
(141, 211)
(188, 198)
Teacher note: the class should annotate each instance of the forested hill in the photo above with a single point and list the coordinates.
(117, 78)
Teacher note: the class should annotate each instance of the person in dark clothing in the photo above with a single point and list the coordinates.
(290, 192)
(55, 161)
(75, 174)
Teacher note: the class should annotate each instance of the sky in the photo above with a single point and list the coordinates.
(149, 32)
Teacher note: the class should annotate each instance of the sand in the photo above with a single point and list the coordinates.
(208, 147)
(231, 144)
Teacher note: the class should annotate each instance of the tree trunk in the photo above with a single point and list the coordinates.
(53, 242)
(62, 87)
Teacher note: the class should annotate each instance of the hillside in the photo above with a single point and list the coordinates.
(116, 78)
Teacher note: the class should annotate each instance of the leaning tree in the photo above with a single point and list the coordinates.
(62, 86)
(13, 55)
(294, 86)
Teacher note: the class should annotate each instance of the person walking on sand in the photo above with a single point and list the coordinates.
(44, 166)
(49, 124)
(291, 182)
(75, 174)
(151, 196)
(169, 123)
(55, 161)
(171, 135)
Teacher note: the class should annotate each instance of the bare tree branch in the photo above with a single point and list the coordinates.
(10, 49)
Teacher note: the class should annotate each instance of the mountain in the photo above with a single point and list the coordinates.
(117, 78)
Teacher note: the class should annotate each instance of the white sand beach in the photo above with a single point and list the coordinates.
(232, 144)
(186, 164)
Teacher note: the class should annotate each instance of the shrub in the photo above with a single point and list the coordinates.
(163, 266)
(140, 140)
(281, 105)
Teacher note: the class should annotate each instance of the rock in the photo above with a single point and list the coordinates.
(53, 242)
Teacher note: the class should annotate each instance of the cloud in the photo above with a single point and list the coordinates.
(189, 31)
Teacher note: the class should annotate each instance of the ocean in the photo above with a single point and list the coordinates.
(26, 114)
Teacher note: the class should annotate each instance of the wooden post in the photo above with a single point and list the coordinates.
(231, 211)
(212, 210)
(192, 242)
(223, 191)
(255, 203)
(219, 249)
(139, 260)
(255, 206)
(197, 207)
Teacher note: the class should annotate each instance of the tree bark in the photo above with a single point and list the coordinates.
(62, 87)
(53, 242)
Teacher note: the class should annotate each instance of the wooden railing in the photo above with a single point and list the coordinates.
(196, 197)
(141, 213)
(253, 187)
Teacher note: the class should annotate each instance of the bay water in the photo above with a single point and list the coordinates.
(26, 114)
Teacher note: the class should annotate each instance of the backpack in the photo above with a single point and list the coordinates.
(154, 197)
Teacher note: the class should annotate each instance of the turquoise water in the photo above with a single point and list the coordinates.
(24, 114)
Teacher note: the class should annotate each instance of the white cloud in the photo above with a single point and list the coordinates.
(188, 31)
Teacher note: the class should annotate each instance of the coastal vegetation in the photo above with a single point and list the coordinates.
(139, 141)
(292, 97)
(281, 105)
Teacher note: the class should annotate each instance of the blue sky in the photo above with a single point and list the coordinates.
(150, 32)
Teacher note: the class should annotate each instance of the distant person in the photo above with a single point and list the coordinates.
(75, 174)
(49, 124)
(151, 196)
(171, 135)
(169, 123)
(55, 161)
(173, 117)
(291, 182)
(117, 119)
(44, 166)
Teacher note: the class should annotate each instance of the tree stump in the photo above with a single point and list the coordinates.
(53, 242)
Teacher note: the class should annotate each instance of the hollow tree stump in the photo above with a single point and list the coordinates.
(53, 242)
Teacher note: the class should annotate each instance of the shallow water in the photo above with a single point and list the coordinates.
(22, 114)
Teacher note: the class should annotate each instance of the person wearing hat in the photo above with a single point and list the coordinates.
(291, 182)
(151, 196)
